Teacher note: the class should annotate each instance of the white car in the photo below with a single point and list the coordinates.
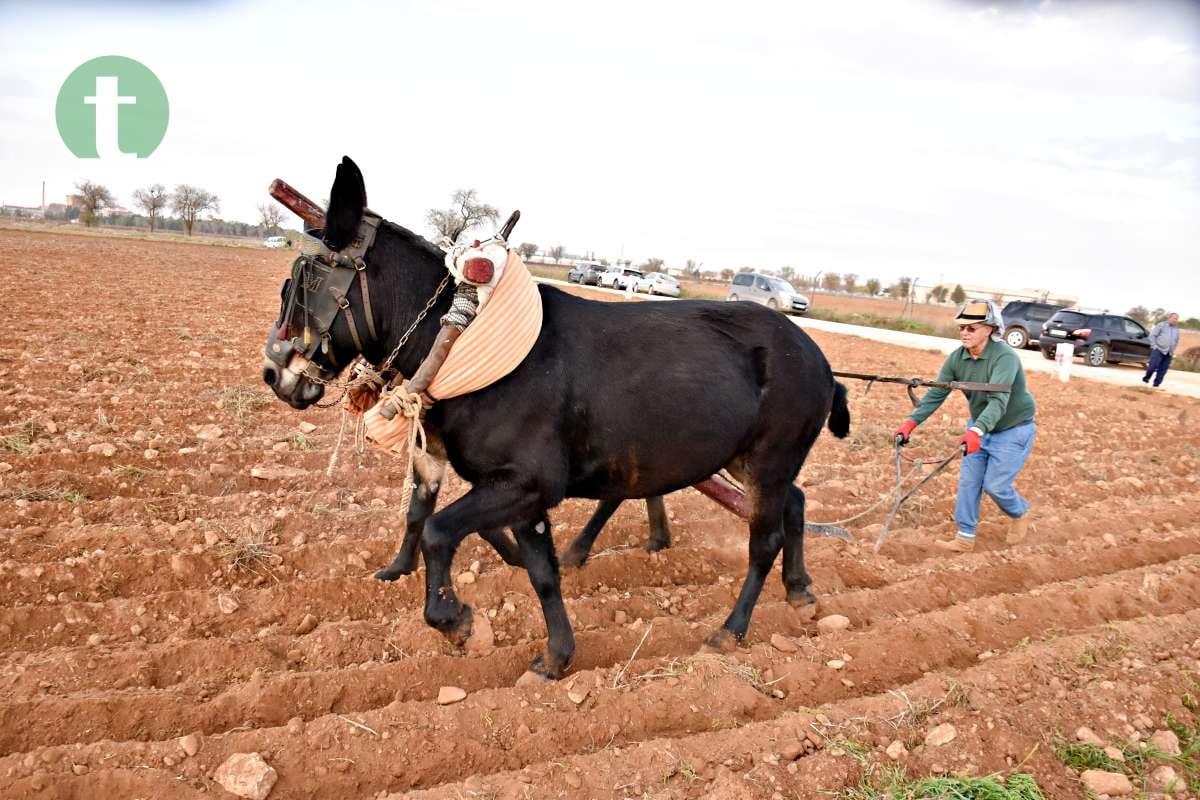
(275, 241)
(620, 277)
(657, 283)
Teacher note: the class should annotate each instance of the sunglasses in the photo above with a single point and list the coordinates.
(971, 328)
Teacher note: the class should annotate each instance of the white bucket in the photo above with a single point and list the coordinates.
(1064, 354)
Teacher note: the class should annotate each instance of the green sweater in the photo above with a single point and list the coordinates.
(992, 411)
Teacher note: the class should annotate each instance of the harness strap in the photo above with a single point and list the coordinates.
(362, 281)
(344, 305)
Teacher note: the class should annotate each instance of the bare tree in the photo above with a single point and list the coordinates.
(787, 273)
(94, 197)
(556, 252)
(1140, 313)
(527, 249)
(465, 212)
(850, 282)
(191, 201)
(727, 274)
(152, 200)
(653, 264)
(831, 282)
(269, 216)
(873, 286)
(901, 288)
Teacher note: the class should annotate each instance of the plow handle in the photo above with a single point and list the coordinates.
(312, 214)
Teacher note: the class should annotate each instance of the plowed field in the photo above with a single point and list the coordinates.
(152, 588)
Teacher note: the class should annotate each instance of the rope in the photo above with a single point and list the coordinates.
(337, 447)
(409, 405)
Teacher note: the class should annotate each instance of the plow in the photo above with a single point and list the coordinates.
(721, 488)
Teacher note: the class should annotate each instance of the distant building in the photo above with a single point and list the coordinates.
(28, 212)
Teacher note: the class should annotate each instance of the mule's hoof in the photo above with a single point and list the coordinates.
(460, 631)
(573, 559)
(720, 641)
(801, 598)
(546, 671)
(391, 572)
(653, 546)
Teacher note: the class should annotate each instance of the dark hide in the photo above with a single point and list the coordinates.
(615, 401)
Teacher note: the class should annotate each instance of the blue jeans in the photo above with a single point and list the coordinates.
(1159, 363)
(992, 469)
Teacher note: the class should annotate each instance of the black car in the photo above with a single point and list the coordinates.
(585, 273)
(1023, 321)
(1100, 338)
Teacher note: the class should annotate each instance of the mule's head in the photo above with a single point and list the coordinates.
(297, 352)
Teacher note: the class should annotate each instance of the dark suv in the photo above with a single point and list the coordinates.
(1100, 338)
(1023, 321)
(585, 273)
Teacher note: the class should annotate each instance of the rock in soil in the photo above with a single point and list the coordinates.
(1113, 784)
(448, 695)
(941, 735)
(246, 775)
(1165, 742)
(832, 624)
(783, 644)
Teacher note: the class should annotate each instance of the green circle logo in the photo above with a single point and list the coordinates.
(112, 107)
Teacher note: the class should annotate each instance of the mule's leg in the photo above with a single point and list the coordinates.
(660, 530)
(795, 578)
(484, 507)
(578, 551)
(537, 548)
(504, 545)
(766, 539)
(424, 498)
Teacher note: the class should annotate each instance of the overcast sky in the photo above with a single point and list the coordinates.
(1051, 144)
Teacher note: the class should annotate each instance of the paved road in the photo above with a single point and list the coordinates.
(1185, 384)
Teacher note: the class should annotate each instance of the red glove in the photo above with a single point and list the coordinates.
(905, 430)
(969, 442)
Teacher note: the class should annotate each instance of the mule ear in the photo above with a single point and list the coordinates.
(347, 201)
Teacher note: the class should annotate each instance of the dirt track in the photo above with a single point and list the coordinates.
(133, 413)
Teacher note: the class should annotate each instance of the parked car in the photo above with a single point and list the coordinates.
(1023, 321)
(772, 292)
(275, 241)
(585, 273)
(1100, 338)
(657, 283)
(619, 277)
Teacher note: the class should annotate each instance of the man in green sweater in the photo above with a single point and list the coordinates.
(1001, 429)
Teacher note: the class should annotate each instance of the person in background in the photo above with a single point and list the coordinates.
(1164, 338)
(1000, 432)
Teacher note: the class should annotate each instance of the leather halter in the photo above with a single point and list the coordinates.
(319, 285)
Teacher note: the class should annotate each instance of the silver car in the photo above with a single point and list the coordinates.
(658, 283)
(772, 292)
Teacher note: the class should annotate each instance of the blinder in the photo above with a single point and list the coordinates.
(317, 292)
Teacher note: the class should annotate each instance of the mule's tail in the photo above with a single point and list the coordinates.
(839, 415)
